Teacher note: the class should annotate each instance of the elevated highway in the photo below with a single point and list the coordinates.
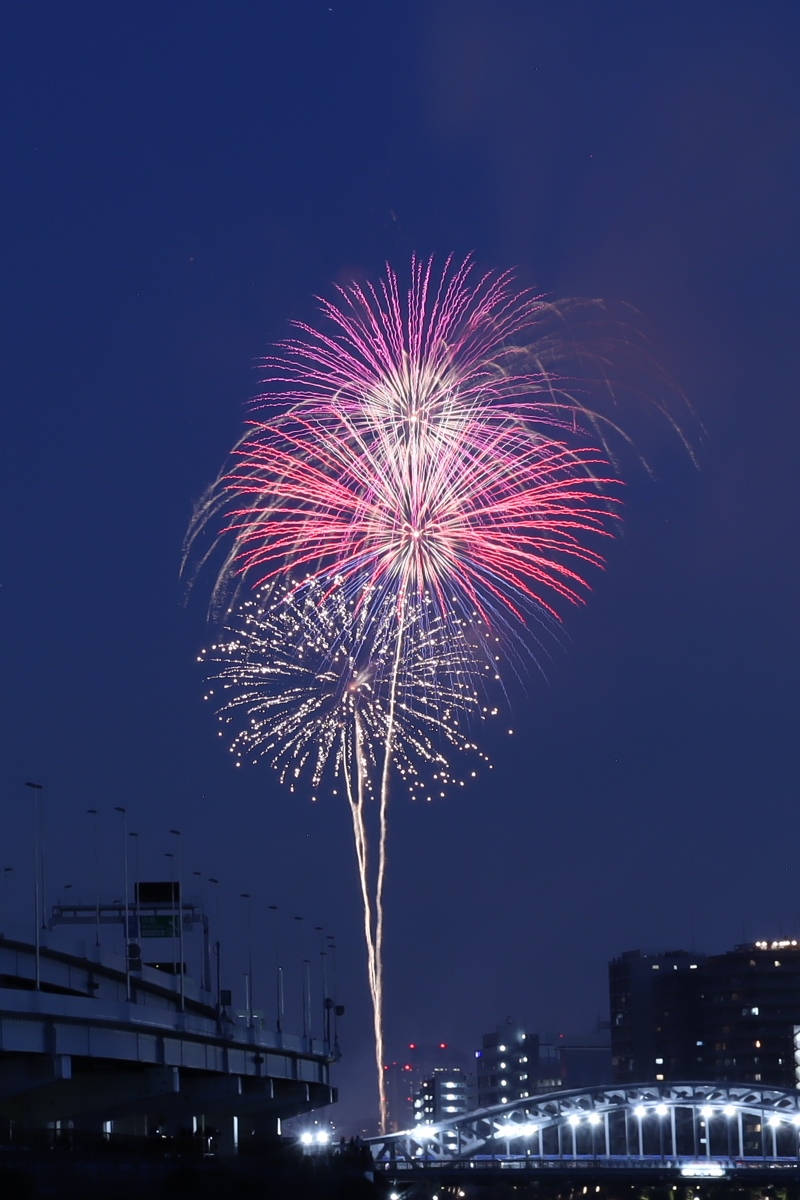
(89, 1042)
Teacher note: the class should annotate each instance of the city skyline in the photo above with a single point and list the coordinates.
(180, 189)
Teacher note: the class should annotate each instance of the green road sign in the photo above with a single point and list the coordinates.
(160, 927)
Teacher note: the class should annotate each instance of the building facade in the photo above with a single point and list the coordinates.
(514, 1064)
(731, 1017)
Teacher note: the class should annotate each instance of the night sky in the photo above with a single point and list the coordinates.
(180, 180)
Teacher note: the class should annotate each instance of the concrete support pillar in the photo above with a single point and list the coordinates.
(226, 1140)
(257, 1128)
(131, 1126)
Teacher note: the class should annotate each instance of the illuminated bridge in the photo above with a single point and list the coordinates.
(695, 1130)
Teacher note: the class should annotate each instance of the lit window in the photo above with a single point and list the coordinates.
(660, 1078)
(659, 1062)
(754, 1011)
(777, 962)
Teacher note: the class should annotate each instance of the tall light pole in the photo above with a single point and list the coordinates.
(205, 965)
(273, 908)
(323, 972)
(93, 812)
(124, 812)
(246, 896)
(168, 854)
(211, 879)
(37, 818)
(177, 834)
(6, 872)
(136, 880)
(305, 982)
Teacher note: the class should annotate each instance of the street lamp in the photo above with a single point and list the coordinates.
(38, 874)
(305, 982)
(120, 809)
(273, 908)
(93, 812)
(136, 881)
(246, 896)
(177, 834)
(6, 872)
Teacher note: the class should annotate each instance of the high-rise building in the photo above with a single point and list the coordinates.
(640, 986)
(442, 1096)
(404, 1078)
(731, 1017)
(514, 1064)
(503, 1065)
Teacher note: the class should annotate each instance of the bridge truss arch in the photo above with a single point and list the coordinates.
(646, 1124)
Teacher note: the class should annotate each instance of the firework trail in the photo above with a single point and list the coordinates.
(421, 477)
(304, 684)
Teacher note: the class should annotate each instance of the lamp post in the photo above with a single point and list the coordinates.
(217, 946)
(177, 835)
(124, 813)
(334, 989)
(6, 872)
(246, 896)
(93, 812)
(273, 908)
(136, 878)
(37, 818)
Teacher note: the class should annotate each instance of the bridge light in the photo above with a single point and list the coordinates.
(706, 1111)
(574, 1119)
(774, 1121)
(323, 1137)
(306, 1139)
(729, 1110)
(661, 1110)
(507, 1131)
(594, 1118)
(639, 1111)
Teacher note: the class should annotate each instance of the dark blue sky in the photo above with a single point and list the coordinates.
(179, 180)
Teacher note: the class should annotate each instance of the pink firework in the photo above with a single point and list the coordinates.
(410, 464)
(412, 460)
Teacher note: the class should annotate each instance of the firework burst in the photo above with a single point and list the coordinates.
(308, 678)
(301, 677)
(424, 482)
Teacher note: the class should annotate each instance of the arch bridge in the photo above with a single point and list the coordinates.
(695, 1129)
